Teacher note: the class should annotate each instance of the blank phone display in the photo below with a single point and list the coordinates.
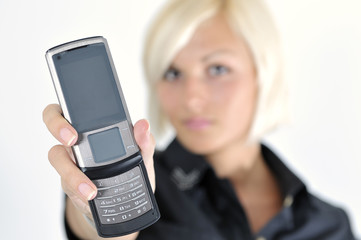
(87, 79)
(106, 145)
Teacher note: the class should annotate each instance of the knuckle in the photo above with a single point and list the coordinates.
(52, 116)
(47, 111)
(54, 152)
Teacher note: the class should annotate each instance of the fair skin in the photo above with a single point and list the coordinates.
(209, 95)
(78, 187)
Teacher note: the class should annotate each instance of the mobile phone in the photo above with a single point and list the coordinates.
(92, 100)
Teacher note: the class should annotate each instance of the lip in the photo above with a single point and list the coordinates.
(197, 123)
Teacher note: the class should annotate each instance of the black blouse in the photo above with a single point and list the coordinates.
(196, 205)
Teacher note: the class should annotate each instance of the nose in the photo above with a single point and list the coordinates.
(195, 94)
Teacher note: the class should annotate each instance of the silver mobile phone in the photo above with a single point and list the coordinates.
(91, 98)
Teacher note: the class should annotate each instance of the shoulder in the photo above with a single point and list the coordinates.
(312, 217)
(323, 210)
(323, 219)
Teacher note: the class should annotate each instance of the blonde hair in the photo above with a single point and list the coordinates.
(251, 20)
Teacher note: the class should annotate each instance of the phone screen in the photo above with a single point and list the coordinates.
(87, 80)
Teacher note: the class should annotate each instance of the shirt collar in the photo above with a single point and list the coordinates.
(188, 169)
(288, 182)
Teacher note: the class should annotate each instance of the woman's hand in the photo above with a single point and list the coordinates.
(77, 186)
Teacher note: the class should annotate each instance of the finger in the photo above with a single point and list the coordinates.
(146, 142)
(144, 138)
(58, 126)
(75, 182)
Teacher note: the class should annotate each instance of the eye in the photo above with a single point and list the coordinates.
(217, 70)
(172, 74)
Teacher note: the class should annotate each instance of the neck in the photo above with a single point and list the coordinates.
(236, 160)
(253, 183)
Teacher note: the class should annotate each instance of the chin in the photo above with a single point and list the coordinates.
(198, 145)
(208, 144)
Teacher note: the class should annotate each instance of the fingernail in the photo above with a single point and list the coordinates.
(67, 136)
(87, 191)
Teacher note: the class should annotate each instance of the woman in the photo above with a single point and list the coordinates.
(214, 74)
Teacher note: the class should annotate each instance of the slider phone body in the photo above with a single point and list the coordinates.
(91, 98)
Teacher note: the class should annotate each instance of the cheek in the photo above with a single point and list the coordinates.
(167, 99)
(239, 105)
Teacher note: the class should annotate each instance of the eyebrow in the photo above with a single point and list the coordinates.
(172, 66)
(216, 53)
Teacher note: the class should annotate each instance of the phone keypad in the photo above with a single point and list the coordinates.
(122, 198)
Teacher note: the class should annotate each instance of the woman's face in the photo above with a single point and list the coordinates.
(209, 92)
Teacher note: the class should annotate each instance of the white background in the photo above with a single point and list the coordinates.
(321, 40)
